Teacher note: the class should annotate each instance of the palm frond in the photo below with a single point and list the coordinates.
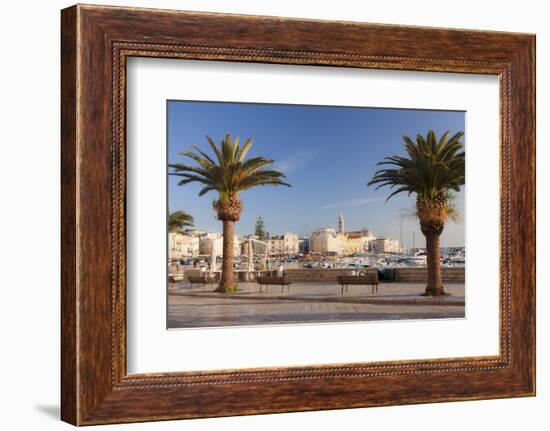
(177, 220)
(228, 171)
(432, 166)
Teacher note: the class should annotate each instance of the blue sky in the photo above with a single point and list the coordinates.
(328, 154)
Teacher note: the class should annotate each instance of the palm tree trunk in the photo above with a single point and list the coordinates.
(227, 280)
(434, 286)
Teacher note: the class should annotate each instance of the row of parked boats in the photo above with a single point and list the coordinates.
(449, 258)
(456, 259)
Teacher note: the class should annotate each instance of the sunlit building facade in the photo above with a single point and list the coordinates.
(344, 243)
(385, 245)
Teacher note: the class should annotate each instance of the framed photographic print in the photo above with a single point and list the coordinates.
(268, 215)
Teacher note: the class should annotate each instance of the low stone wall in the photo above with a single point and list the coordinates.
(296, 275)
(241, 276)
(328, 274)
(420, 275)
(404, 275)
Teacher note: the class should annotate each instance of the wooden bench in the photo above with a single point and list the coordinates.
(272, 280)
(199, 279)
(363, 280)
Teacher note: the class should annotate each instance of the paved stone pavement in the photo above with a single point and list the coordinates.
(313, 302)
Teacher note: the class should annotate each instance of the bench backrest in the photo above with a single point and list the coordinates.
(369, 278)
(270, 279)
(196, 279)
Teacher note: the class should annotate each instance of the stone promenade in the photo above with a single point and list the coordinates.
(307, 302)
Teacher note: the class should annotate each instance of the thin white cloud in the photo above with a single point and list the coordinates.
(354, 202)
(296, 160)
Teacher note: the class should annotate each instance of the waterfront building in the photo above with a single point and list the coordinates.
(325, 240)
(209, 240)
(341, 242)
(303, 245)
(215, 239)
(357, 242)
(385, 245)
(277, 245)
(182, 245)
(259, 246)
(283, 245)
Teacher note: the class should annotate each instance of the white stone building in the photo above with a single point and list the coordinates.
(325, 240)
(357, 242)
(328, 240)
(182, 245)
(282, 245)
(385, 245)
(215, 239)
(279, 245)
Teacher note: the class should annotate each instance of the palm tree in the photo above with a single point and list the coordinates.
(228, 173)
(432, 169)
(177, 220)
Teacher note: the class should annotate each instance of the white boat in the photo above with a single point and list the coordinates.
(457, 260)
(412, 261)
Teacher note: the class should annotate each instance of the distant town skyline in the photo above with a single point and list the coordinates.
(328, 154)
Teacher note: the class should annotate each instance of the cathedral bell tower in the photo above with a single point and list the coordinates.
(341, 228)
